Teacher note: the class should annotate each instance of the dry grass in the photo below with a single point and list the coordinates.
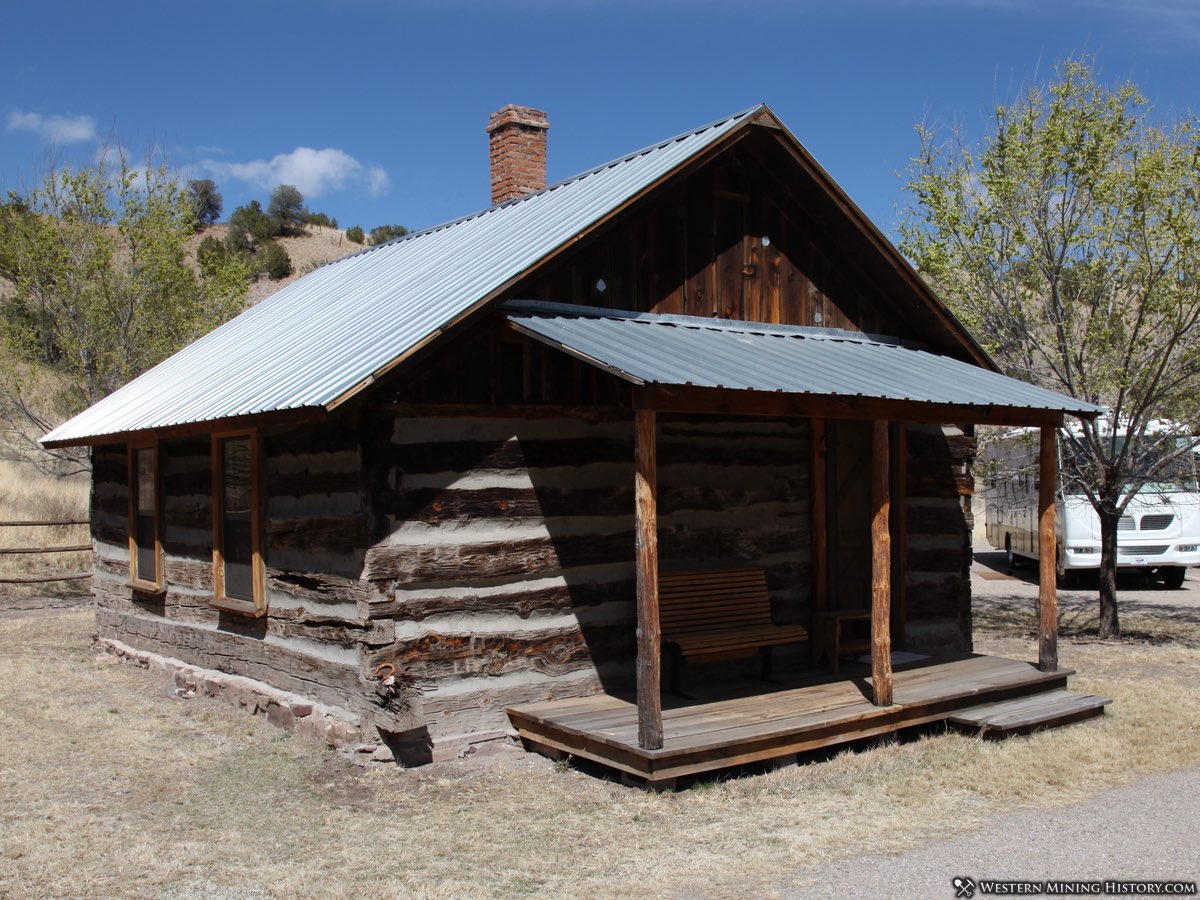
(27, 495)
(110, 787)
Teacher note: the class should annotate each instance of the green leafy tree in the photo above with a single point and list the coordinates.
(98, 288)
(286, 210)
(355, 234)
(206, 202)
(383, 233)
(1068, 240)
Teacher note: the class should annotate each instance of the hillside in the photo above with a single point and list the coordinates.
(308, 251)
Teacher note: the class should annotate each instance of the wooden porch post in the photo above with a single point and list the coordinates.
(649, 636)
(881, 568)
(1047, 552)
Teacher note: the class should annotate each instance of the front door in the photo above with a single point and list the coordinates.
(848, 474)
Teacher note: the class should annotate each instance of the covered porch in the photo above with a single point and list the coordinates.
(751, 722)
(698, 366)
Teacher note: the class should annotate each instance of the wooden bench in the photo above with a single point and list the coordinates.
(713, 614)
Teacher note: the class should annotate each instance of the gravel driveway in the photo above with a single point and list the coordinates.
(1146, 830)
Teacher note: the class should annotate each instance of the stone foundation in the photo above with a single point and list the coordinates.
(339, 728)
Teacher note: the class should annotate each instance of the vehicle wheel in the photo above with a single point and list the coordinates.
(1009, 559)
(1172, 577)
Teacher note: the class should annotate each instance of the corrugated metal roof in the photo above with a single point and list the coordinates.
(650, 349)
(322, 335)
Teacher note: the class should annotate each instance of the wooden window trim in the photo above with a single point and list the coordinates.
(258, 607)
(136, 582)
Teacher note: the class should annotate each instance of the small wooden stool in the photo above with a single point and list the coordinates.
(831, 639)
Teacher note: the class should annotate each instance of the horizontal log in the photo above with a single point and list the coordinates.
(283, 667)
(44, 579)
(317, 587)
(318, 483)
(337, 436)
(44, 522)
(483, 710)
(927, 598)
(110, 464)
(942, 519)
(296, 623)
(523, 603)
(189, 572)
(436, 505)
(337, 535)
(466, 456)
(73, 548)
(408, 563)
(595, 414)
(548, 651)
(939, 561)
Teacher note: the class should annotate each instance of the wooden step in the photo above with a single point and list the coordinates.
(1024, 714)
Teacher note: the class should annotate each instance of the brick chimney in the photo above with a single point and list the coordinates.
(517, 144)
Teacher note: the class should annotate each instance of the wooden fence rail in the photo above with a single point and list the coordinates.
(40, 579)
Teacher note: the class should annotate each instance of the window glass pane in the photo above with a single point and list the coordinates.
(147, 559)
(145, 481)
(145, 563)
(237, 536)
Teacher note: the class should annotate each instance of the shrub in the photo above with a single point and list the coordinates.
(382, 233)
(355, 233)
(320, 218)
(274, 260)
(248, 226)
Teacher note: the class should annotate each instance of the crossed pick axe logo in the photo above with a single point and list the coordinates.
(963, 887)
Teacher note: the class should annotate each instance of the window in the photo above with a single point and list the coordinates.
(238, 570)
(145, 543)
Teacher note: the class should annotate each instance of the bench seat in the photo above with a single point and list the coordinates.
(712, 614)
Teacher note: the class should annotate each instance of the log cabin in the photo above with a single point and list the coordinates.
(436, 490)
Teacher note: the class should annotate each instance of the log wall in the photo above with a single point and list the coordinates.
(315, 526)
(938, 583)
(488, 561)
(505, 555)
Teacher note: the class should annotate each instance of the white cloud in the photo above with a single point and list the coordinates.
(55, 129)
(312, 171)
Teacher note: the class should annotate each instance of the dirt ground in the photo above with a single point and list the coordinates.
(110, 785)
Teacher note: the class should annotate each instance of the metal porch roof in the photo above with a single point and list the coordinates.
(314, 341)
(660, 350)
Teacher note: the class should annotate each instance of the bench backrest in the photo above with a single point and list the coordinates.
(712, 598)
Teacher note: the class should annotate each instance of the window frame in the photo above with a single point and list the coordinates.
(258, 606)
(136, 581)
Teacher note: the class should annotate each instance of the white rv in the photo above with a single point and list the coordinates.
(1159, 532)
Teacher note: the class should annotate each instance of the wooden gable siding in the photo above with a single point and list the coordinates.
(734, 241)
(505, 562)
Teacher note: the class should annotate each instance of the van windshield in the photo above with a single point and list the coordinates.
(1178, 476)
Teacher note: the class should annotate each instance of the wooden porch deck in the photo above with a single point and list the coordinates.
(775, 721)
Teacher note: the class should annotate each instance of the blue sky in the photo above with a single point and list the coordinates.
(377, 108)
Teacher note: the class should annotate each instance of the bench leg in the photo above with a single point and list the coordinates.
(675, 681)
(768, 662)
